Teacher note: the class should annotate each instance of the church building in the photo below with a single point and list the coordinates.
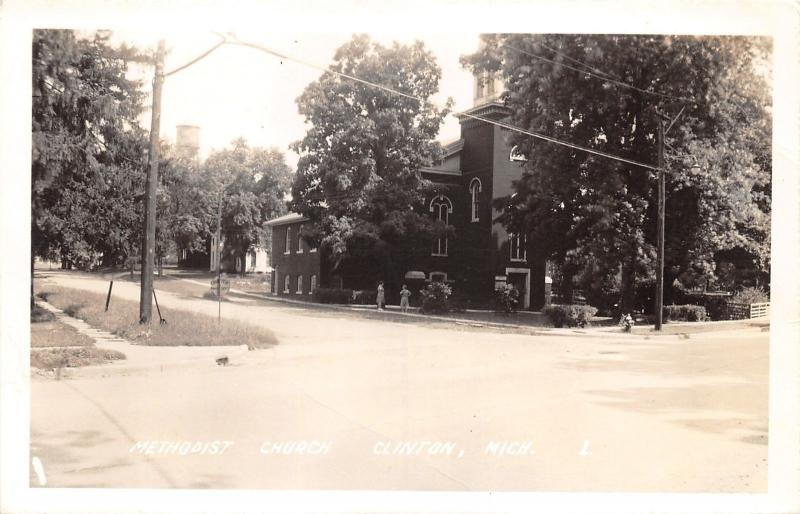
(477, 169)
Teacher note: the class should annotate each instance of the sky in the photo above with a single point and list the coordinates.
(242, 92)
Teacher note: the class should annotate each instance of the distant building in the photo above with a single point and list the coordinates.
(477, 169)
(297, 268)
(187, 142)
(256, 261)
(187, 146)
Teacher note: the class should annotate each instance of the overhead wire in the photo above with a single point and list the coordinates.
(465, 114)
(576, 61)
(199, 57)
(592, 74)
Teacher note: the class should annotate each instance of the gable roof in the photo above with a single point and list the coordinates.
(453, 147)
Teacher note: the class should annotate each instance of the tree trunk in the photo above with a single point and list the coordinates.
(567, 288)
(669, 290)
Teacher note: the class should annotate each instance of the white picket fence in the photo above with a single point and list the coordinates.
(748, 311)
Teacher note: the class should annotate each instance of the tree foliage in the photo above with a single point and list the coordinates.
(358, 176)
(596, 215)
(88, 150)
(252, 184)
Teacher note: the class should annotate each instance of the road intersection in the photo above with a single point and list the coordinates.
(405, 406)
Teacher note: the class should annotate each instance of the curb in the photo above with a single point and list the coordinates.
(527, 329)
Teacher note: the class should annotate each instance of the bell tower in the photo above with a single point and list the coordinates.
(486, 88)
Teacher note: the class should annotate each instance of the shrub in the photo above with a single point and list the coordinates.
(435, 298)
(366, 297)
(570, 315)
(750, 295)
(504, 300)
(716, 307)
(684, 313)
(332, 295)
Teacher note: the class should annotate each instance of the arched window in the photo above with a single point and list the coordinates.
(287, 280)
(515, 156)
(299, 284)
(474, 191)
(441, 207)
(287, 245)
(313, 284)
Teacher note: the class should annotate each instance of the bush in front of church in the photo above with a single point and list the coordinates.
(569, 315)
(435, 298)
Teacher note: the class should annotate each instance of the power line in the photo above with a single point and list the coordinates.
(576, 61)
(558, 141)
(487, 120)
(324, 69)
(594, 75)
(199, 57)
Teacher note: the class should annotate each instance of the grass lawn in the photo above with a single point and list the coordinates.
(53, 333)
(52, 358)
(122, 319)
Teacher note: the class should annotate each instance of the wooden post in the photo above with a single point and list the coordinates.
(659, 300)
(151, 187)
(108, 298)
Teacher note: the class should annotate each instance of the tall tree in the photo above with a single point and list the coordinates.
(718, 167)
(252, 184)
(358, 176)
(187, 205)
(88, 150)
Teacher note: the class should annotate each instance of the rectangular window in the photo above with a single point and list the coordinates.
(300, 284)
(517, 246)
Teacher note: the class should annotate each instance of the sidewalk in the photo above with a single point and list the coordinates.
(669, 330)
(536, 327)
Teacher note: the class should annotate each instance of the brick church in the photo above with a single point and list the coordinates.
(476, 169)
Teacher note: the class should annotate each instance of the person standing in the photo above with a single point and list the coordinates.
(380, 298)
(405, 294)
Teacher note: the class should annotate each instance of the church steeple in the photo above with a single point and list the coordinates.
(486, 88)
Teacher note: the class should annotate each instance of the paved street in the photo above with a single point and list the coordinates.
(384, 405)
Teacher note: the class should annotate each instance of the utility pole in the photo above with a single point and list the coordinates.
(219, 257)
(151, 186)
(659, 300)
